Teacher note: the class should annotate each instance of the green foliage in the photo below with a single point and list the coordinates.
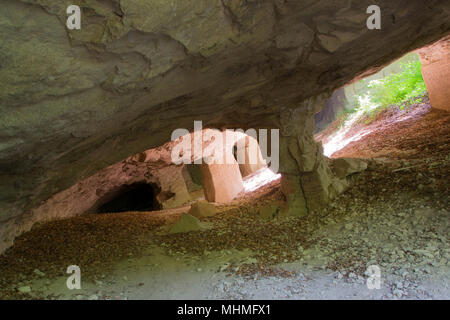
(398, 87)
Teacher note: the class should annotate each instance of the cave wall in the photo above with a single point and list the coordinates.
(73, 102)
(221, 182)
(192, 175)
(335, 104)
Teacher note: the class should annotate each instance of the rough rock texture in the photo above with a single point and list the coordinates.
(187, 223)
(75, 102)
(344, 167)
(172, 183)
(436, 72)
(202, 209)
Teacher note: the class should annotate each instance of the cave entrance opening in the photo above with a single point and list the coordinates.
(351, 110)
(138, 196)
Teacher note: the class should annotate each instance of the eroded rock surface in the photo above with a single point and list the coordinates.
(344, 167)
(328, 114)
(187, 223)
(74, 102)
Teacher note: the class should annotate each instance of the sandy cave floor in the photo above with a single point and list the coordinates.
(395, 215)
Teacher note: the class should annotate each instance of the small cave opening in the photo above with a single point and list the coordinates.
(359, 110)
(138, 196)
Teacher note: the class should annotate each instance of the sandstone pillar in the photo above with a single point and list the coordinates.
(307, 181)
(248, 149)
(436, 72)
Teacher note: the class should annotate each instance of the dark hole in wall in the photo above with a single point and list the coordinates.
(333, 106)
(134, 197)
